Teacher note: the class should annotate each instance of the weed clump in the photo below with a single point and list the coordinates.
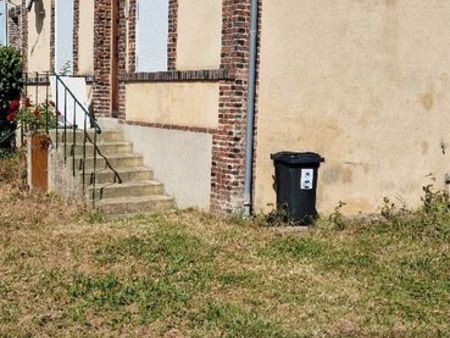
(337, 217)
(431, 219)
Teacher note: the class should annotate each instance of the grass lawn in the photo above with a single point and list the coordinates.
(65, 272)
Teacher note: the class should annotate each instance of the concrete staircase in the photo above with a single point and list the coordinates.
(138, 192)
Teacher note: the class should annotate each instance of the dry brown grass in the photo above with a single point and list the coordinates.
(65, 272)
(23, 209)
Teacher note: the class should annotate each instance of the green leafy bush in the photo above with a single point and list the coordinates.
(11, 84)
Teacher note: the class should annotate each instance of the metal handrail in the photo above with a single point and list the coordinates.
(94, 123)
(117, 178)
(86, 137)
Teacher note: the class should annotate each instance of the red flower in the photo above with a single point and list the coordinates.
(11, 117)
(36, 113)
(14, 106)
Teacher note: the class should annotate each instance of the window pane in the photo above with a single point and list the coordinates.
(151, 35)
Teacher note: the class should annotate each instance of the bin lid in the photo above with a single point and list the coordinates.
(290, 157)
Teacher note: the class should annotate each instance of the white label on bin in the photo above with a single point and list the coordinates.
(307, 179)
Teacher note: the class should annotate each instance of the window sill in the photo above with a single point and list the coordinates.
(178, 76)
(33, 79)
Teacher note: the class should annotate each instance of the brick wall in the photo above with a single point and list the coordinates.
(52, 36)
(228, 166)
(24, 49)
(122, 56)
(131, 24)
(102, 58)
(15, 27)
(173, 35)
(76, 25)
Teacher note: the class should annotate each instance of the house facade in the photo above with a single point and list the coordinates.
(363, 83)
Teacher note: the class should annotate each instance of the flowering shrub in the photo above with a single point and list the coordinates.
(10, 89)
(33, 118)
(10, 76)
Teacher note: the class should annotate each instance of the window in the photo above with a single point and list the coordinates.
(64, 36)
(152, 30)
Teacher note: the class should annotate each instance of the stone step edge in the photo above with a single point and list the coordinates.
(119, 170)
(151, 183)
(134, 200)
(117, 156)
(103, 143)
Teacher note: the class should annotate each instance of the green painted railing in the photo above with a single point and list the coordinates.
(62, 126)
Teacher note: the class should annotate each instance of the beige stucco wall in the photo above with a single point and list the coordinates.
(199, 34)
(188, 104)
(365, 84)
(181, 160)
(86, 38)
(39, 36)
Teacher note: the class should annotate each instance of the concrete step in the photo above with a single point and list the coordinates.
(106, 135)
(127, 189)
(126, 174)
(116, 161)
(135, 204)
(106, 148)
(137, 193)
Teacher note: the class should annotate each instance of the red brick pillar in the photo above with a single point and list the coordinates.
(229, 141)
(102, 58)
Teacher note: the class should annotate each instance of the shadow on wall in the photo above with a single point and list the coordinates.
(39, 12)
